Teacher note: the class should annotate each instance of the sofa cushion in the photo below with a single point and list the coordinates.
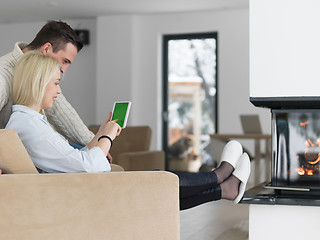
(14, 158)
(116, 168)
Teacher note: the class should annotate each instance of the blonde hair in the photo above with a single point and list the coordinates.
(31, 75)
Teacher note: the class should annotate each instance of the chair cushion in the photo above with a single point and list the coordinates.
(142, 161)
(14, 158)
(131, 139)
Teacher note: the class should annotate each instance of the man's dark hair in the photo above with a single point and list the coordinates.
(57, 33)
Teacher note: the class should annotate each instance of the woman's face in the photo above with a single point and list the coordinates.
(52, 91)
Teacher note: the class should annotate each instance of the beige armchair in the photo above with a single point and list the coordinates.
(131, 149)
(116, 205)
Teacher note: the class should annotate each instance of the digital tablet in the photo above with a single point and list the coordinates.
(121, 111)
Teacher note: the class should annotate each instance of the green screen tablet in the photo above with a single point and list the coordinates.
(121, 112)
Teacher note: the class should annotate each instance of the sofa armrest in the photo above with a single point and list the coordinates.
(142, 161)
(117, 205)
(116, 168)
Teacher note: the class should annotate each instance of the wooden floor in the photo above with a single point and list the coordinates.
(210, 220)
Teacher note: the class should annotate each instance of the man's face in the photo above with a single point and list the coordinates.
(64, 56)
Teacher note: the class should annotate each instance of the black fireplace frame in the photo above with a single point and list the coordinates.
(303, 102)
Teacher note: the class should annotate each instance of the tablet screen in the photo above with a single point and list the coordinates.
(120, 111)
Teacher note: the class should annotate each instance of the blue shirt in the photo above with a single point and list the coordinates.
(50, 151)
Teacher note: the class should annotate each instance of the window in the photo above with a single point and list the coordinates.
(189, 99)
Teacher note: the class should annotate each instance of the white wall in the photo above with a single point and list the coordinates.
(80, 81)
(114, 63)
(79, 84)
(138, 40)
(285, 49)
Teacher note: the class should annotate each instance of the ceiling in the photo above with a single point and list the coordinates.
(18, 11)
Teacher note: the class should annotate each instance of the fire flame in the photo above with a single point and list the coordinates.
(309, 172)
(304, 170)
(301, 171)
(316, 161)
(311, 144)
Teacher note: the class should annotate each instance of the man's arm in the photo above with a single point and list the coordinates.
(5, 96)
(5, 88)
(66, 121)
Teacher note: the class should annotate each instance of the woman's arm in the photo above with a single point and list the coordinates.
(107, 128)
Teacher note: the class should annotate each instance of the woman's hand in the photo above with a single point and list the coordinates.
(109, 128)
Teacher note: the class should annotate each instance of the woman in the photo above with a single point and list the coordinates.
(35, 87)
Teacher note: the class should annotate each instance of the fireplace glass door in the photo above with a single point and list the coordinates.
(296, 148)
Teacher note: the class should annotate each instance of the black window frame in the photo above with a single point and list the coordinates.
(165, 87)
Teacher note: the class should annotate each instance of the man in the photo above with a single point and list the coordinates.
(56, 39)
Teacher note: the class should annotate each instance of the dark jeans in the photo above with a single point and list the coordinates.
(76, 146)
(197, 188)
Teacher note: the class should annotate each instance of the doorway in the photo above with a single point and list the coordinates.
(189, 99)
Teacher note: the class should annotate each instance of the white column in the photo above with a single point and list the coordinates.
(283, 222)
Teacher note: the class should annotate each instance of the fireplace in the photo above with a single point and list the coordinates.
(295, 131)
(295, 160)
